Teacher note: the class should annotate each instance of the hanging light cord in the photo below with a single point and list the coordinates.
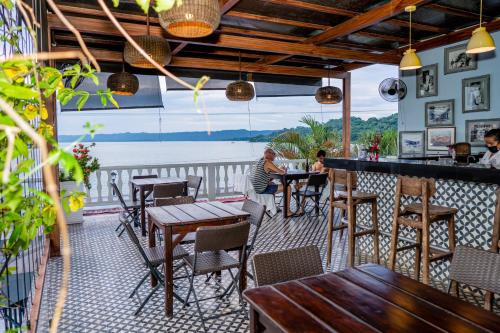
(329, 68)
(147, 22)
(239, 62)
(410, 29)
(481, 14)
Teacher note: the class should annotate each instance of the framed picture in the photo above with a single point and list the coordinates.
(411, 143)
(427, 81)
(439, 138)
(440, 113)
(476, 94)
(457, 60)
(476, 129)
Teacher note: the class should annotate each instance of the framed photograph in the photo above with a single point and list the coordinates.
(476, 94)
(440, 113)
(411, 143)
(427, 81)
(476, 129)
(439, 138)
(457, 60)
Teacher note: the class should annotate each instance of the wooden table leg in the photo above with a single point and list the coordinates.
(143, 211)
(152, 243)
(169, 272)
(285, 196)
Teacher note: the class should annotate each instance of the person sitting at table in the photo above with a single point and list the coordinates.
(492, 141)
(260, 176)
(319, 165)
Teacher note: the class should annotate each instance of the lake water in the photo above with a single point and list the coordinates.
(147, 153)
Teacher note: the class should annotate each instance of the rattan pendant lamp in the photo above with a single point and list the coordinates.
(240, 91)
(157, 48)
(410, 58)
(192, 18)
(481, 41)
(329, 94)
(123, 83)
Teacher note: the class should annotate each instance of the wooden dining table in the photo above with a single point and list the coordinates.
(146, 184)
(368, 298)
(178, 220)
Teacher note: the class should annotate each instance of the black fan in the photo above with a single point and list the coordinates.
(67, 80)
(392, 90)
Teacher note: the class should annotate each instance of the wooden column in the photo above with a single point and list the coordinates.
(346, 114)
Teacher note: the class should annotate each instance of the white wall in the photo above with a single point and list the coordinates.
(412, 109)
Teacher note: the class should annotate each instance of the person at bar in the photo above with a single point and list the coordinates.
(319, 165)
(492, 141)
(261, 179)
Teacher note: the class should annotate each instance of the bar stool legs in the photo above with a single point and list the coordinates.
(495, 247)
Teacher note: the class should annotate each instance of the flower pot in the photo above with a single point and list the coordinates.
(71, 186)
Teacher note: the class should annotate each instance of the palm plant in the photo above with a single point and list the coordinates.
(388, 141)
(296, 145)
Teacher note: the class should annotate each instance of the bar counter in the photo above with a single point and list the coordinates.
(469, 188)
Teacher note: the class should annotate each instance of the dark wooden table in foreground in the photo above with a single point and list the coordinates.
(147, 184)
(369, 298)
(176, 221)
(286, 180)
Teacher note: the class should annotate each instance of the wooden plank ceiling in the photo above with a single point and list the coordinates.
(291, 37)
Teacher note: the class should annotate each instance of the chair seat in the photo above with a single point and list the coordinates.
(434, 210)
(209, 262)
(156, 254)
(133, 204)
(357, 195)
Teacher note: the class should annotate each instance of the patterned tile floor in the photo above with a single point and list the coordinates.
(105, 269)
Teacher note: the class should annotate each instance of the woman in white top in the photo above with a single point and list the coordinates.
(492, 140)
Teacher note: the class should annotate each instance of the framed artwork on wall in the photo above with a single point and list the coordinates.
(439, 138)
(411, 143)
(476, 94)
(440, 113)
(457, 60)
(427, 81)
(476, 129)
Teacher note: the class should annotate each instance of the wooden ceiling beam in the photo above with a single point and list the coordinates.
(104, 27)
(225, 65)
(457, 11)
(378, 35)
(277, 20)
(257, 33)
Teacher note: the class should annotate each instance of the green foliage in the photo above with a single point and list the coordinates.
(388, 141)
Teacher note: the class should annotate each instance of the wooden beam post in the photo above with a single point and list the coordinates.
(346, 115)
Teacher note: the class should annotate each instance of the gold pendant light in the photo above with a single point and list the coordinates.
(192, 18)
(240, 91)
(157, 47)
(481, 41)
(328, 94)
(410, 58)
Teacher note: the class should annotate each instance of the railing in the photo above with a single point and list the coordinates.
(218, 178)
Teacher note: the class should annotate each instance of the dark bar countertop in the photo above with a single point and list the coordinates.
(420, 168)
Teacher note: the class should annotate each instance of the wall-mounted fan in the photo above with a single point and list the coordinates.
(392, 90)
(67, 80)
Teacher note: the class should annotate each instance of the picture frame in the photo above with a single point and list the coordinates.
(411, 143)
(475, 130)
(476, 94)
(427, 81)
(457, 60)
(439, 138)
(440, 113)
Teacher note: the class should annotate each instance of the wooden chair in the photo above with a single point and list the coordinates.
(136, 190)
(348, 201)
(168, 190)
(420, 216)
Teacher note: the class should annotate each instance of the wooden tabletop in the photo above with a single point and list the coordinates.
(194, 213)
(368, 298)
(155, 181)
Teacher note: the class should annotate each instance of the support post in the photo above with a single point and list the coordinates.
(346, 114)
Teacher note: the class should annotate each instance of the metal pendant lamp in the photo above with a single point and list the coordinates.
(481, 41)
(156, 46)
(123, 83)
(192, 18)
(240, 91)
(329, 94)
(410, 58)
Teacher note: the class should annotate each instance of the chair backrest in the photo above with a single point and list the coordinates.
(174, 201)
(414, 186)
(145, 177)
(286, 265)
(477, 268)
(257, 212)
(194, 182)
(231, 236)
(168, 190)
(462, 148)
(339, 177)
(317, 179)
(119, 195)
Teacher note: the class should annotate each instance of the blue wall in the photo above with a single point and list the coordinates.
(412, 109)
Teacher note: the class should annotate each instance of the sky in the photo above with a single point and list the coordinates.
(179, 114)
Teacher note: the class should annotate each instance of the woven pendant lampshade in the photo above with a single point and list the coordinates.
(240, 91)
(328, 94)
(191, 19)
(123, 83)
(157, 48)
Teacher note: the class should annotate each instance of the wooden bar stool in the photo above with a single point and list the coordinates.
(495, 247)
(420, 216)
(349, 200)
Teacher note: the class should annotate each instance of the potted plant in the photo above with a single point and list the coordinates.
(74, 191)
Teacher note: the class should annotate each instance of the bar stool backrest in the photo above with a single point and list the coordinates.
(346, 179)
(174, 201)
(231, 236)
(413, 186)
(168, 190)
(495, 246)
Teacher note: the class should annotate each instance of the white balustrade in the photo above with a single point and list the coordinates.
(218, 178)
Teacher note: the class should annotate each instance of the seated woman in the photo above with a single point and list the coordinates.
(492, 141)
